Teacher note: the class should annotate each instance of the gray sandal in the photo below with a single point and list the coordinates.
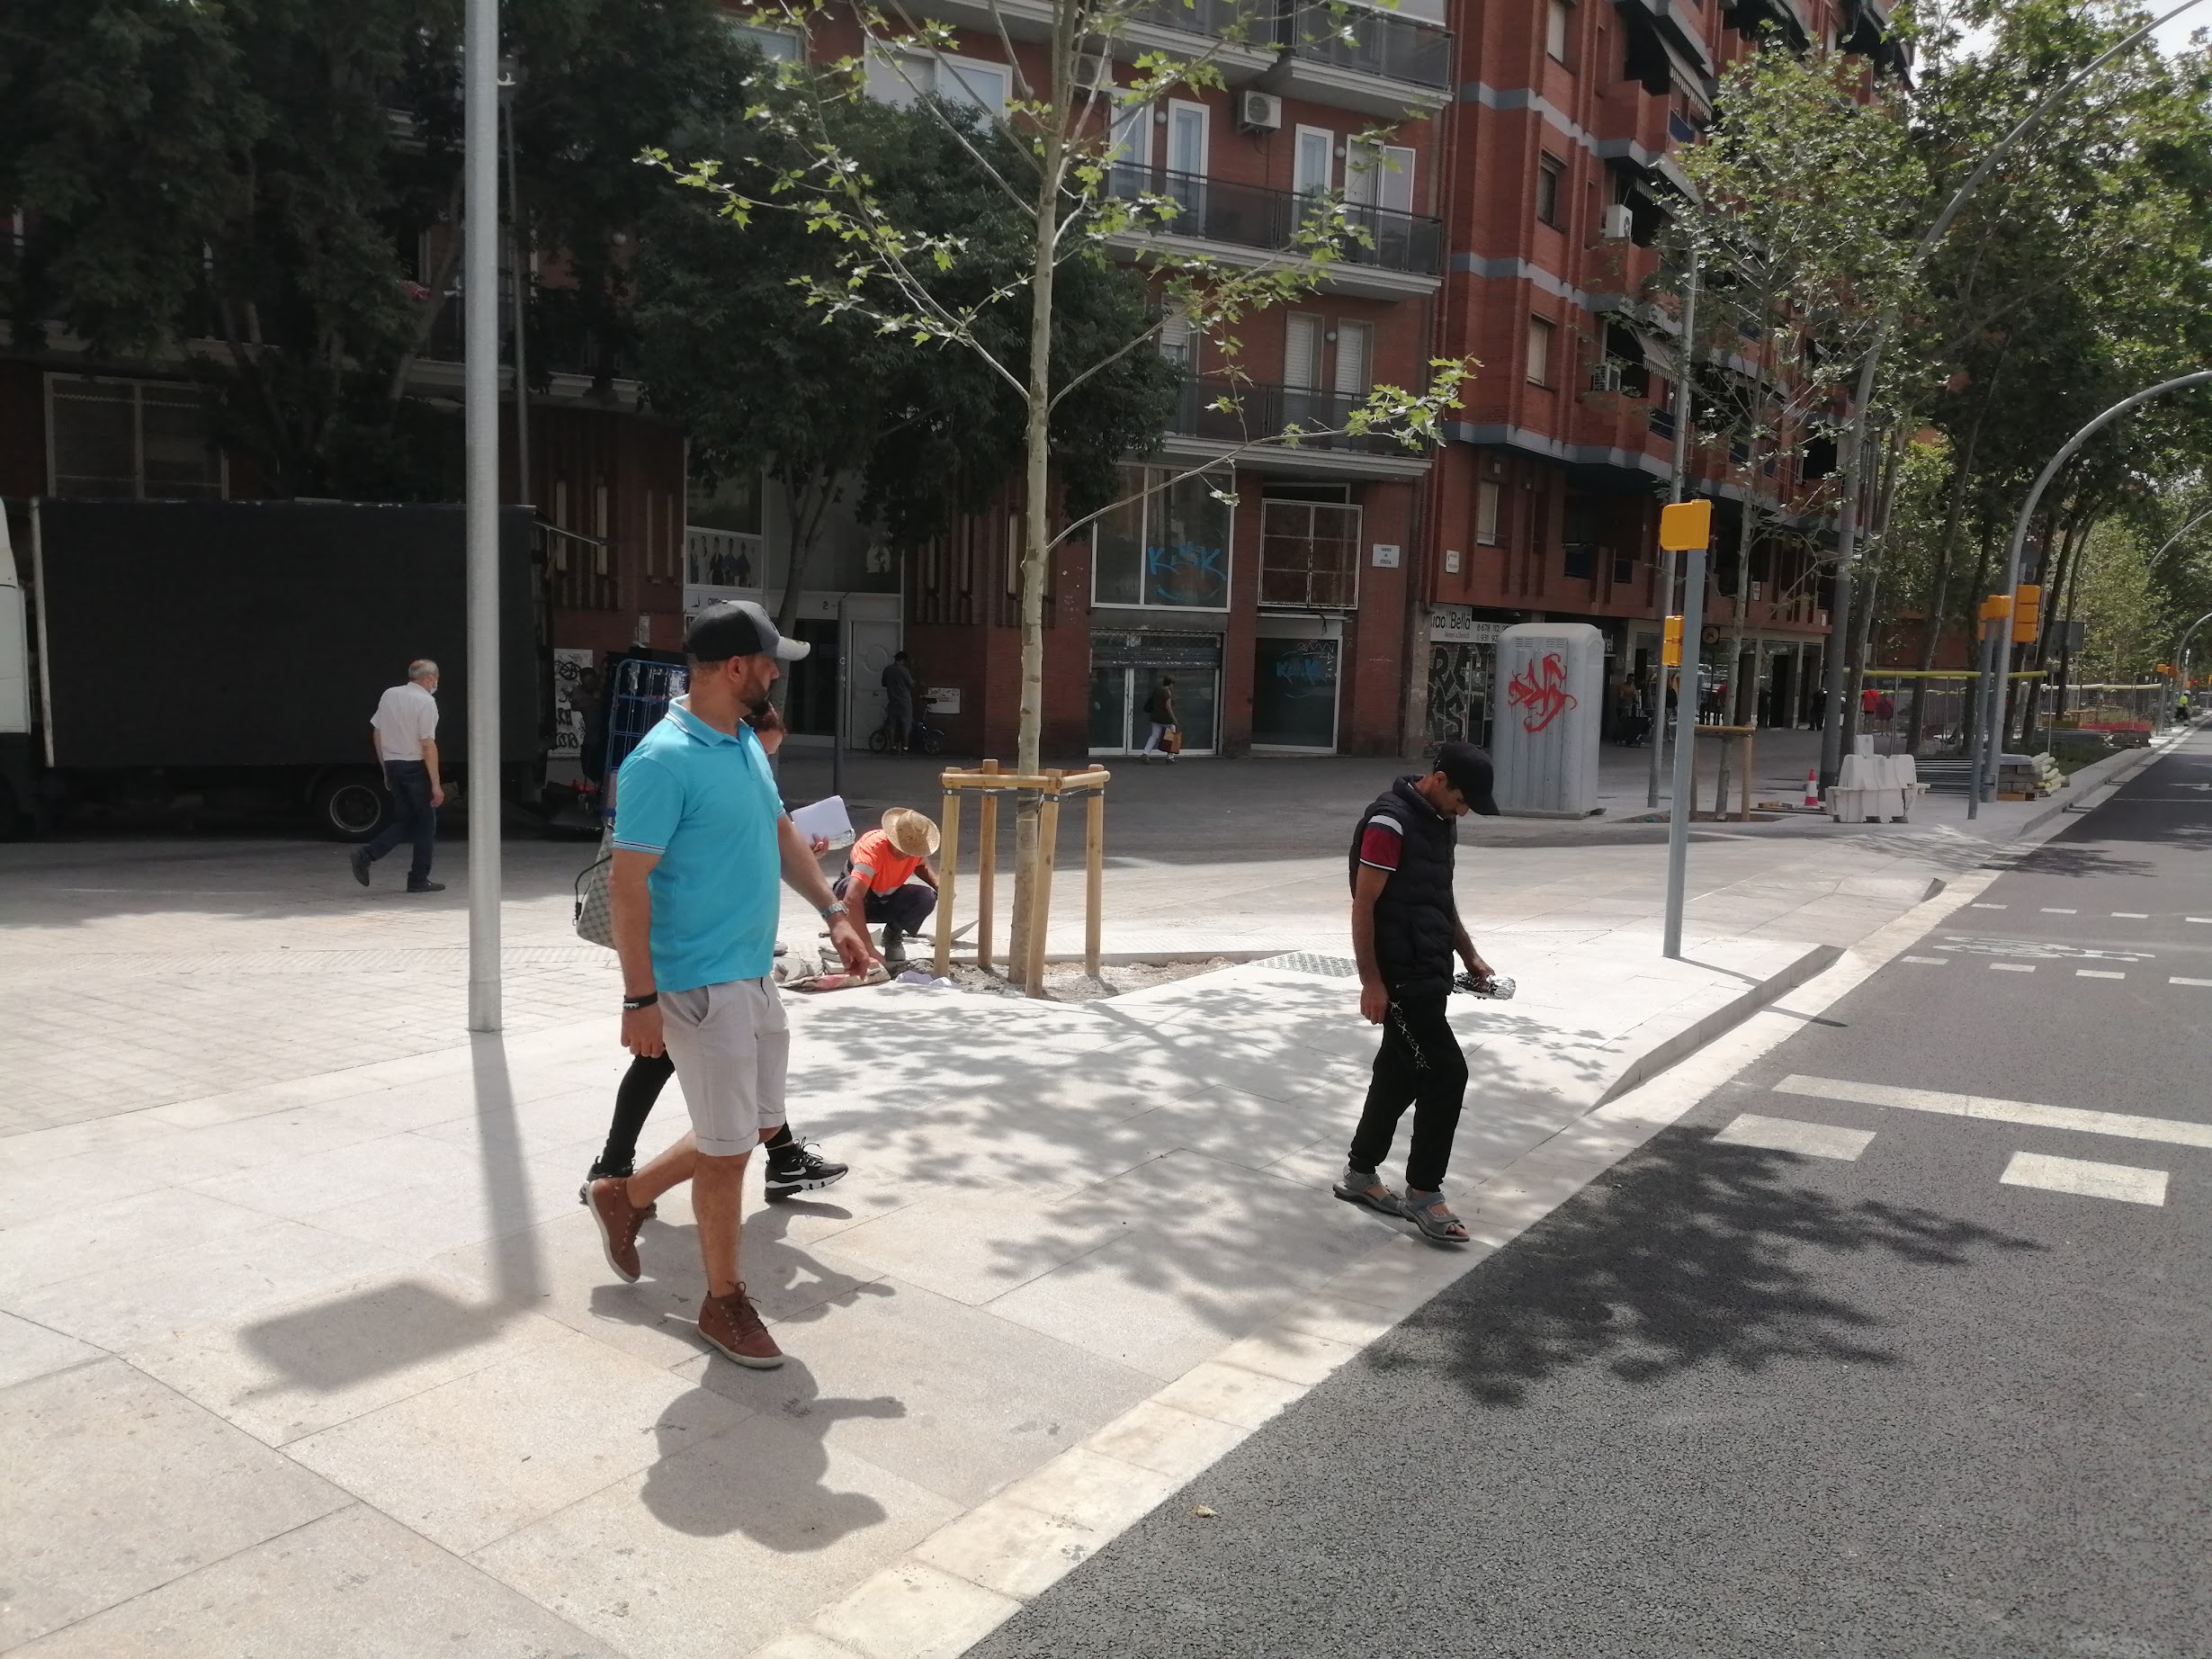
(1365, 1187)
(1429, 1212)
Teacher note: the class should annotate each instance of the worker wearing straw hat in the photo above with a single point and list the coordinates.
(884, 865)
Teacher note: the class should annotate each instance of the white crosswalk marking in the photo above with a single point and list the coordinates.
(2085, 1178)
(2123, 1125)
(2097, 973)
(1928, 962)
(2178, 980)
(2206, 919)
(1789, 1134)
(2050, 909)
(2131, 915)
(1979, 905)
(2011, 967)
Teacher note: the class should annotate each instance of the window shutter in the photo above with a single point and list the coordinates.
(1352, 340)
(1301, 352)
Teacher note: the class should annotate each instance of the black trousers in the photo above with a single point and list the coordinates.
(1419, 1065)
(904, 907)
(413, 817)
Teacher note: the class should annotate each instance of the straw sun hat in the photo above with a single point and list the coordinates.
(910, 833)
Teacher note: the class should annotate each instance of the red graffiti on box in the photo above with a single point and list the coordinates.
(1541, 689)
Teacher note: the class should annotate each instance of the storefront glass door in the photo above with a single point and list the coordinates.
(1119, 724)
(1294, 693)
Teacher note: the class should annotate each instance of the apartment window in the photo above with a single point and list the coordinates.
(1309, 555)
(898, 76)
(1380, 176)
(1186, 138)
(1175, 337)
(1540, 332)
(1551, 172)
(1302, 351)
(1167, 546)
(776, 45)
(1354, 348)
(139, 440)
(1313, 161)
(1557, 13)
(1486, 498)
(1133, 134)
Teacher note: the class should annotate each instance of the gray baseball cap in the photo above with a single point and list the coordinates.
(738, 628)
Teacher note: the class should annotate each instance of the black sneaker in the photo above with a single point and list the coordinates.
(360, 861)
(800, 1169)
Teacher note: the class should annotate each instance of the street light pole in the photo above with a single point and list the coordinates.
(1674, 494)
(479, 301)
(1679, 525)
(1993, 738)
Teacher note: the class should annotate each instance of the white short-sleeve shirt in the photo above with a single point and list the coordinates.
(406, 717)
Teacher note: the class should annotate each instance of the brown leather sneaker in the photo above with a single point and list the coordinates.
(619, 1221)
(733, 1323)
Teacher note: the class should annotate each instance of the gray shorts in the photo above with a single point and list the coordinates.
(731, 1045)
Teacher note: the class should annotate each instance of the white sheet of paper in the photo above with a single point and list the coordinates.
(826, 818)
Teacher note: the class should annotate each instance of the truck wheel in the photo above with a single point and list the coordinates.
(351, 806)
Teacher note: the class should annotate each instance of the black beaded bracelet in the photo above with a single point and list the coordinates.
(630, 1005)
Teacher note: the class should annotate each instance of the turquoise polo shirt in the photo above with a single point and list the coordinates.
(706, 803)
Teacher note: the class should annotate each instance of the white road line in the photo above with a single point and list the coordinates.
(2011, 967)
(2050, 909)
(2178, 980)
(2085, 1179)
(1978, 905)
(2125, 1125)
(2131, 915)
(1787, 1135)
(2097, 973)
(2206, 919)
(1927, 962)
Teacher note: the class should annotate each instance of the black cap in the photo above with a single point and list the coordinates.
(738, 628)
(1467, 770)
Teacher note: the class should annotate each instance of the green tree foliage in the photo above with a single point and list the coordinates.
(270, 189)
(734, 345)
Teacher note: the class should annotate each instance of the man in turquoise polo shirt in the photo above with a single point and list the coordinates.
(700, 836)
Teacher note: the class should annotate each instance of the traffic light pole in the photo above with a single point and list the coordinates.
(1687, 528)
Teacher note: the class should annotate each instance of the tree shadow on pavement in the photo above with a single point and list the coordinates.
(2080, 859)
(1691, 1254)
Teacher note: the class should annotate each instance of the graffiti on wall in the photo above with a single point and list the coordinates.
(1458, 674)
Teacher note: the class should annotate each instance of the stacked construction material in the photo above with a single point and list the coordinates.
(2029, 778)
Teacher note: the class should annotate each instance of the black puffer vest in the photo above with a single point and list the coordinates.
(1415, 938)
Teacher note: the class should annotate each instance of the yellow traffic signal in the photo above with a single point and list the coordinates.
(1996, 607)
(1686, 526)
(2027, 614)
(1671, 644)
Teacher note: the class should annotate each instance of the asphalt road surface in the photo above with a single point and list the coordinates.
(1899, 1344)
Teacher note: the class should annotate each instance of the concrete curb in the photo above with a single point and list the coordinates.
(1817, 959)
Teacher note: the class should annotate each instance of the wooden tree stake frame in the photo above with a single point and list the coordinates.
(1025, 957)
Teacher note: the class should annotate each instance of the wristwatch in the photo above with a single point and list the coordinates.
(836, 906)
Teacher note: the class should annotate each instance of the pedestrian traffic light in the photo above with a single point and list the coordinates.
(2027, 614)
(1686, 526)
(1996, 607)
(1671, 644)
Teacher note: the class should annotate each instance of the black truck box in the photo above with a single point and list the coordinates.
(245, 634)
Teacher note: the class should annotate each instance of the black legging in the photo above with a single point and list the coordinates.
(642, 1085)
(1419, 1065)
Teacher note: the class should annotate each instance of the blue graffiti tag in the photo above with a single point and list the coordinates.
(1186, 573)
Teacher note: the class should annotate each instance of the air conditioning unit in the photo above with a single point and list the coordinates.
(1604, 376)
(1620, 223)
(1094, 71)
(1259, 111)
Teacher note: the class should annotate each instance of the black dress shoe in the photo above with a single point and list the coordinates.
(359, 859)
(426, 886)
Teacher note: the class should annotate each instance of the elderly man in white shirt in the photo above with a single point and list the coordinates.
(405, 735)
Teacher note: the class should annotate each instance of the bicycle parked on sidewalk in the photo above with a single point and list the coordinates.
(921, 739)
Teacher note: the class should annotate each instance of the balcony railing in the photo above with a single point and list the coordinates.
(1268, 411)
(1397, 49)
(1355, 37)
(1253, 216)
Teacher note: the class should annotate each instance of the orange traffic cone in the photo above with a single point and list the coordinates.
(1813, 788)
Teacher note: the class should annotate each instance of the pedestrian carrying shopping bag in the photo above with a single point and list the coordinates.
(1171, 741)
(595, 902)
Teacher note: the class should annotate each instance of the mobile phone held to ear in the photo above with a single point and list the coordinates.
(1497, 986)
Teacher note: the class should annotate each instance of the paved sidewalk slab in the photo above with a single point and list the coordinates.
(366, 1306)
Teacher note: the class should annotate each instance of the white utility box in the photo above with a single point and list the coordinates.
(1549, 696)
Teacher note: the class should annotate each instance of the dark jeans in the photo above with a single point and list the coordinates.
(904, 907)
(413, 817)
(1419, 1065)
(900, 718)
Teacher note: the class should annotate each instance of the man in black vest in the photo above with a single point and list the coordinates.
(1405, 931)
